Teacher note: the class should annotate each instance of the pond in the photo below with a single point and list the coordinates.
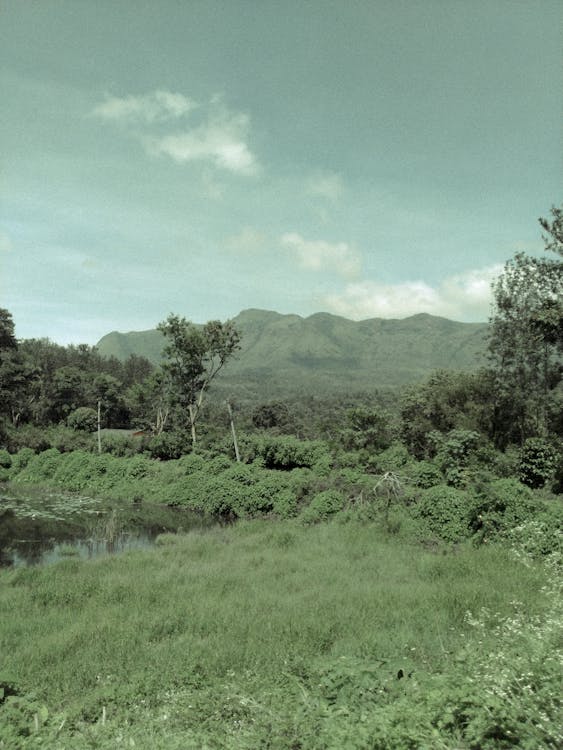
(41, 525)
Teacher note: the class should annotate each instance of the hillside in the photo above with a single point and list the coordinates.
(327, 353)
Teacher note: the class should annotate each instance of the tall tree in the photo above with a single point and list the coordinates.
(526, 339)
(16, 374)
(193, 357)
(7, 337)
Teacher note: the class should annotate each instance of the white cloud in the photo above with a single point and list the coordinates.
(219, 137)
(158, 106)
(222, 142)
(323, 256)
(325, 185)
(465, 296)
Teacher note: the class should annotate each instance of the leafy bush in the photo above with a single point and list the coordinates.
(285, 453)
(453, 451)
(538, 537)
(28, 436)
(504, 464)
(5, 459)
(501, 506)
(538, 462)
(425, 474)
(446, 512)
(192, 463)
(41, 467)
(323, 506)
(83, 418)
(67, 440)
(169, 445)
(21, 459)
(394, 458)
(285, 504)
(123, 446)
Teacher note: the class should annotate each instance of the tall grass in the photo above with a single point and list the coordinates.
(246, 636)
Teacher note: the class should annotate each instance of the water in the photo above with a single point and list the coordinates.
(40, 525)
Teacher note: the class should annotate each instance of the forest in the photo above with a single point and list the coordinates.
(379, 568)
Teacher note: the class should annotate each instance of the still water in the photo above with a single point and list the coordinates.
(40, 525)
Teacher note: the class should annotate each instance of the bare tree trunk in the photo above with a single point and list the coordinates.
(237, 454)
(192, 413)
(99, 426)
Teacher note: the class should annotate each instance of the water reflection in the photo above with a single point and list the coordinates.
(35, 552)
(42, 526)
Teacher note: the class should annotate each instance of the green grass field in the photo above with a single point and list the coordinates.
(276, 635)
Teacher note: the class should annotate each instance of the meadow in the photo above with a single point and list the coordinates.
(283, 635)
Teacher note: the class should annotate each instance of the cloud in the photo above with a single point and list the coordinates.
(323, 256)
(325, 185)
(220, 141)
(158, 106)
(219, 136)
(465, 296)
(248, 241)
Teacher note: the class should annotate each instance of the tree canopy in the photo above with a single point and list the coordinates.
(193, 357)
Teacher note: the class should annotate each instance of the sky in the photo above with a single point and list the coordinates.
(367, 158)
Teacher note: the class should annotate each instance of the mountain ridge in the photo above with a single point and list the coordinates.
(281, 352)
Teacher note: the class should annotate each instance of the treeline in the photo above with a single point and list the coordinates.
(43, 383)
(49, 393)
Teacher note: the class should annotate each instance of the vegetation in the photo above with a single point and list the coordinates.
(193, 358)
(384, 567)
(286, 355)
(285, 636)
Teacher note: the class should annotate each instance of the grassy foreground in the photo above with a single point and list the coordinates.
(276, 635)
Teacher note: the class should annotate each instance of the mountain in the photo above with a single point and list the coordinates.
(328, 353)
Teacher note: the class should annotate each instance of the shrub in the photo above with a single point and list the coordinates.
(504, 464)
(84, 418)
(425, 474)
(21, 459)
(5, 459)
(323, 506)
(538, 462)
(502, 505)
(169, 445)
(446, 512)
(66, 440)
(72, 470)
(453, 451)
(285, 504)
(539, 537)
(287, 453)
(122, 446)
(192, 463)
(394, 458)
(28, 436)
(41, 467)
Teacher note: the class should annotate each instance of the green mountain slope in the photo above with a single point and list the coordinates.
(283, 353)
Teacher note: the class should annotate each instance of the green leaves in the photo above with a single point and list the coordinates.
(193, 357)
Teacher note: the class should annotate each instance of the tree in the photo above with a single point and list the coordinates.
(554, 238)
(193, 357)
(16, 374)
(446, 401)
(526, 340)
(7, 337)
(109, 392)
(368, 428)
(66, 392)
(273, 414)
(148, 403)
